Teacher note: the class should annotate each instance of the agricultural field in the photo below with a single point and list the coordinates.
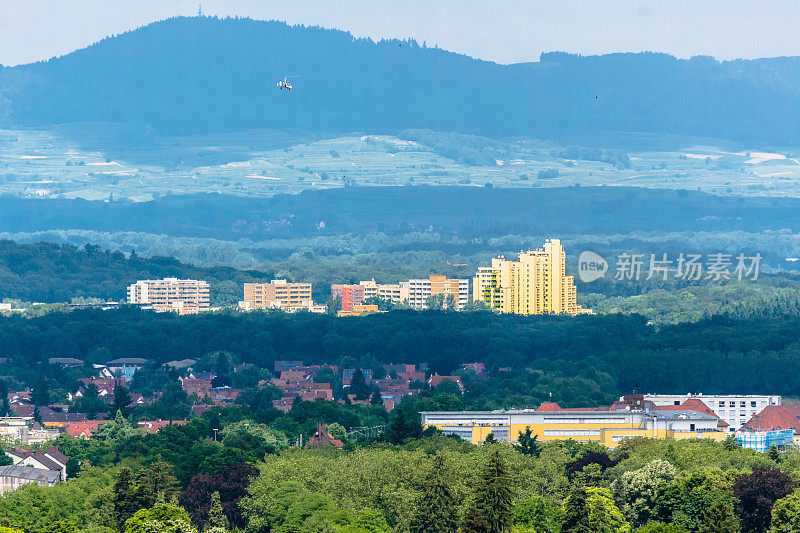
(100, 162)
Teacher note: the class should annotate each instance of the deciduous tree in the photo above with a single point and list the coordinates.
(786, 514)
(756, 493)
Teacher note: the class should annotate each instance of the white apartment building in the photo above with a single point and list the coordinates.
(419, 290)
(396, 293)
(734, 409)
(183, 296)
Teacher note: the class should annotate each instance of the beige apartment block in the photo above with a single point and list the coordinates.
(394, 292)
(534, 284)
(422, 289)
(277, 294)
(183, 296)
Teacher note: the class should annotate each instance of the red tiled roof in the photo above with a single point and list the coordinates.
(549, 406)
(552, 406)
(775, 417)
(77, 429)
(436, 379)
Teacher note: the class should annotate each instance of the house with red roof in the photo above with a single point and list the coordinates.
(83, 430)
(200, 387)
(105, 386)
(775, 417)
(435, 380)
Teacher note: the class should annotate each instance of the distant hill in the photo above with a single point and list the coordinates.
(463, 211)
(45, 272)
(189, 75)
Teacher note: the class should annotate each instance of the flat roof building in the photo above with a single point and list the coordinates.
(397, 293)
(277, 294)
(183, 296)
(453, 292)
(349, 295)
(600, 426)
(534, 284)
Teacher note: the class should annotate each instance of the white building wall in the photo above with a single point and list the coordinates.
(734, 409)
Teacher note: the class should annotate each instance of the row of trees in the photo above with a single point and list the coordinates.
(579, 361)
(226, 471)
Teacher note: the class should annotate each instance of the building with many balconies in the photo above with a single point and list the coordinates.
(183, 296)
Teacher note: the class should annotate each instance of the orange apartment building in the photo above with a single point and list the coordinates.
(349, 294)
(277, 294)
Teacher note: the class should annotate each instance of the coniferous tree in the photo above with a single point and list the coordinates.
(122, 401)
(437, 506)
(493, 494)
(5, 408)
(41, 392)
(156, 483)
(376, 398)
(358, 386)
(215, 517)
(576, 513)
(774, 454)
(404, 424)
(529, 443)
(474, 521)
(124, 499)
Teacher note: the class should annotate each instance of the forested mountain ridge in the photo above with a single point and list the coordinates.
(464, 211)
(220, 75)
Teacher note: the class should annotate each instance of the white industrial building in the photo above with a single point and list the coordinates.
(735, 409)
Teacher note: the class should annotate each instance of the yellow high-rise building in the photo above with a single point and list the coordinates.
(533, 285)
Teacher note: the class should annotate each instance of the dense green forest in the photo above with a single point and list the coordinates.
(466, 212)
(582, 361)
(45, 272)
(233, 64)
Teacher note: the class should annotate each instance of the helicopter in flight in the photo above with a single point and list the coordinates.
(284, 83)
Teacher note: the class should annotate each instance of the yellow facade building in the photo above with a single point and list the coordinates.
(277, 294)
(535, 284)
(602, 427)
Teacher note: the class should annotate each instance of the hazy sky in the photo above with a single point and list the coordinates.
(505, 31)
